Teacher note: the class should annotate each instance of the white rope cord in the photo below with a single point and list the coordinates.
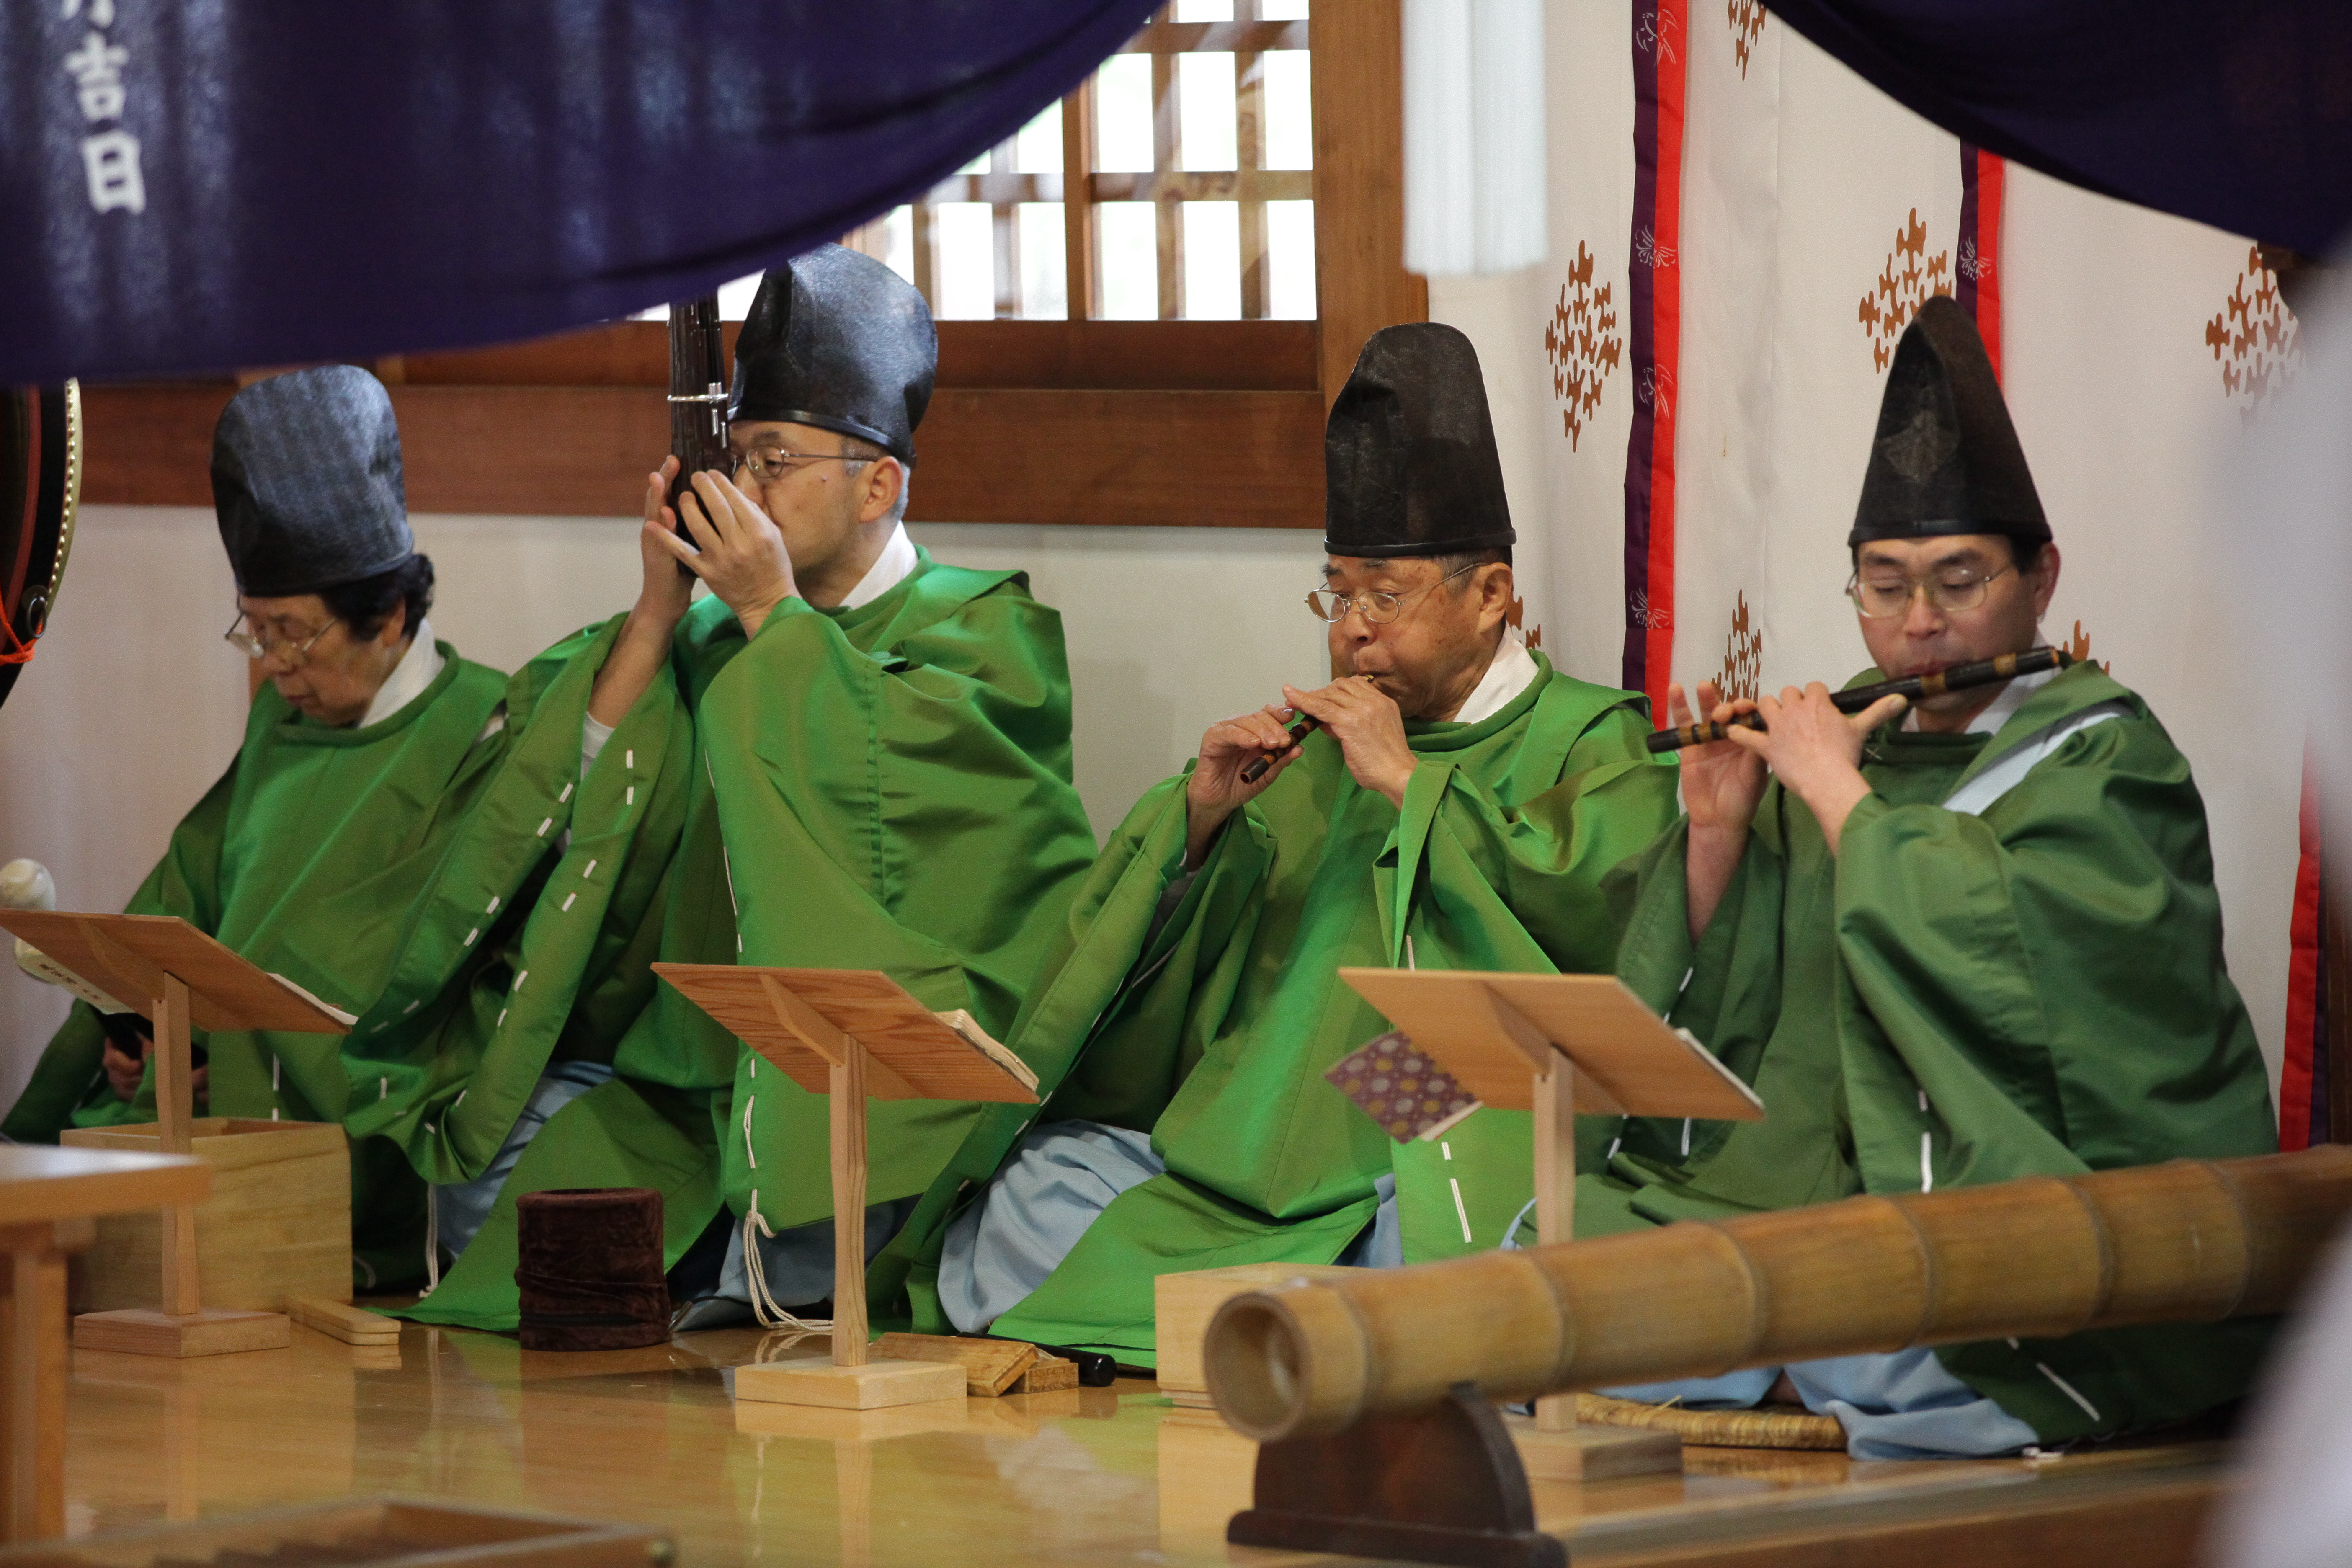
(764, 1305)
(431, 1241)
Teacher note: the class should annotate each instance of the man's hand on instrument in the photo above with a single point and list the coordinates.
(1369, 729)
(667, 590)
(1217, 789)
(1722, 783)
(738, 550)
(1816, 751)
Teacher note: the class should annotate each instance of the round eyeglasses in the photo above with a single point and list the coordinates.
(1377, 606)
(769, 464)
(254, 643)
(1882, 597)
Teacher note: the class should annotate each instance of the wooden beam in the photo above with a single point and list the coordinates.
(1183, 37)
(1188, 356)
(1230, 459)
(1084, 284)
(1181, 459)
(1360, 283)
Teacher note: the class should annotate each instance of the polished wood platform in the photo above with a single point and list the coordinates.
(1093, 1476)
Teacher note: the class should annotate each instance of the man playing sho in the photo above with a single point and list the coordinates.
(847, 755)
(1458, 808)
(367, 742)
(1978, 944)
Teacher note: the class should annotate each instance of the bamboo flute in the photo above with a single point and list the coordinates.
(2040, 1258)
(1959, 678)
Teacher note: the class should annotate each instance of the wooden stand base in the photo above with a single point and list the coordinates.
(1588, 1453)
(868, 1387)
(759, 1418)
(144, 1331)
(1443, 1485)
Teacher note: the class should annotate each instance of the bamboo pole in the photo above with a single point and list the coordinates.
(2191, 1241)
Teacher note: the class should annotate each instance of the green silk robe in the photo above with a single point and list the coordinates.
(1954, 998)
(887, 787)
(305, 858)
(1216, 1039)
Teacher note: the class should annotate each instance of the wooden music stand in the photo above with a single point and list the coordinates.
(1517, 1042)
(852, 1034)
(173, 976)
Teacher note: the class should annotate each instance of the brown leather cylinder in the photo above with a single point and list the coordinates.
(588, 1269)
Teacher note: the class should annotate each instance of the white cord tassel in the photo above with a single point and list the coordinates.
(765, 1306)
(432, 1240)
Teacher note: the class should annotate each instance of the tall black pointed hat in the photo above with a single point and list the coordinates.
(836, 340)
(1409, 452)
(1946, 458)
(307, 482)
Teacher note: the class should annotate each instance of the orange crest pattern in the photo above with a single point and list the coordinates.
(1582, 343)
(2078, 646)
(1743, 655)
(1516, 616)
(1747, 26)
(1909, 279)
(2257, 340)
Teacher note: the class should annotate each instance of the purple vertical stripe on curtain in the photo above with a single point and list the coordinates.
(194, 184)
(2236, 114)
(1641, 359)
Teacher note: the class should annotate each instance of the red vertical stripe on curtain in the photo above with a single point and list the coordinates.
(1655, 279)
(1983, 183)
(2306, 981)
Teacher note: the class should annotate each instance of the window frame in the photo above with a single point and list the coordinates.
(1167, 423)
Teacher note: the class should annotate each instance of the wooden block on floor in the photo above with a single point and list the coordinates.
(1183, 1304)
(990, 1367)
(352, 1325)
(1592, 1453)
(145, 1331)
(1046, 1374)
(868, 1387)
(277, 1224)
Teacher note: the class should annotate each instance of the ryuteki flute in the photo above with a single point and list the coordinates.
(1308, 724)
(1959, 678)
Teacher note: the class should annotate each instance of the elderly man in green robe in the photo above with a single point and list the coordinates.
(366, 743)
(847, 755)
(1458, 807)
(1978, 944)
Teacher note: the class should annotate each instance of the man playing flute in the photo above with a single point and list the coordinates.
(1458, 808)
(1972, 942)
(847, 755)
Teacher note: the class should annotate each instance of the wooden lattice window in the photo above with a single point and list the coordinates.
(1238, 232)
(1196, 142)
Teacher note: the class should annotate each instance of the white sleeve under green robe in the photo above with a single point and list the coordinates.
(2033, 986)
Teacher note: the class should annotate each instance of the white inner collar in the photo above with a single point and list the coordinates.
(1511, 671)
(408, 678)
(2001, 710)
(889, 570)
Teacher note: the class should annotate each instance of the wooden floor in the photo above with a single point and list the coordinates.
(1094, 1476)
